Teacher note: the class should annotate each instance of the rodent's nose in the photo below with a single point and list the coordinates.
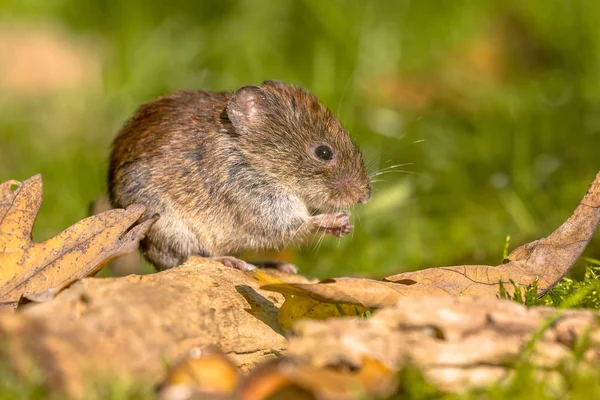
(365, 196)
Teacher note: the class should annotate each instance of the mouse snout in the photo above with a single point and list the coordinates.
(353, 191)
(366, 195)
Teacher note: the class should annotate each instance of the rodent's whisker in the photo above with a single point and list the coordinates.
(343, 94)
(320, 241)
(398, 165)
(297, 231)
(398, 171)
(317, 240)
(394, 166)
(371, 162)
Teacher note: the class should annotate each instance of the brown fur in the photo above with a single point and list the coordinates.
(231, 172)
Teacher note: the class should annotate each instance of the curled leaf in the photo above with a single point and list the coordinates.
(547, 259)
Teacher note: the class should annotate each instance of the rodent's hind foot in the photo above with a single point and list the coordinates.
(233, 262)
(280, 266)
(336, 224)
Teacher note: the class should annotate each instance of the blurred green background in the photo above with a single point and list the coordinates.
(494, 104)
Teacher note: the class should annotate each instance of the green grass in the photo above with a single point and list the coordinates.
(31, 387)
(526, 384)
(489, 157)
(21, 388)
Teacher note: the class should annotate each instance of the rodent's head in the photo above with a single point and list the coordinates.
(289, 135)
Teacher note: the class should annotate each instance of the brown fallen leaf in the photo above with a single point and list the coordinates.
(127, 264)
(367, 293)
(38, 271)
(130, 327)
(286, 379)
(458, 343)
(547, 260)
(204, 373)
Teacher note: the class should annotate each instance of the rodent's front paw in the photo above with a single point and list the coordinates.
(337, 224)
(339, 232)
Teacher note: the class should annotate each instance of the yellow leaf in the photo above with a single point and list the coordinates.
(286, 379)
(325, 300)
(207, 371)
(262, 278)
(298, 307)
(40, 270)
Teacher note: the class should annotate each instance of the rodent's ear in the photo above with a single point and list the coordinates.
(243, 106)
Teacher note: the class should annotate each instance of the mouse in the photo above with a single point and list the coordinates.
(259, 168)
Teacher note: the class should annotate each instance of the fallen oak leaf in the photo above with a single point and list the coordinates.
(262, 278)
(295, 308)
(313, 301)
(7, 193)
(203, 373)
(339, 297)
(120, 246)
(368, 293)
(286, 378)
(547, 259)
(38, 271)
(267, 276)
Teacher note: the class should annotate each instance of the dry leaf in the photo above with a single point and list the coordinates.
(128, 264)
(286, 379)
(367, 293)
(263, 278)
(332, 298)
(38, 271)
(297, 307)
(130, 326)
(458, 343)
(203, 373)
(547, 259)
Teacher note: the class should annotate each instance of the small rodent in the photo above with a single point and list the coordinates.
(226, 172)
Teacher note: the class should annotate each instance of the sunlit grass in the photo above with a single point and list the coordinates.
(499, 141)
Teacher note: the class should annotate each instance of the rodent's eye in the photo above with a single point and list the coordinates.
(324, 152)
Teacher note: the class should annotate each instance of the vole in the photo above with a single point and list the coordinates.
(258, 168)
